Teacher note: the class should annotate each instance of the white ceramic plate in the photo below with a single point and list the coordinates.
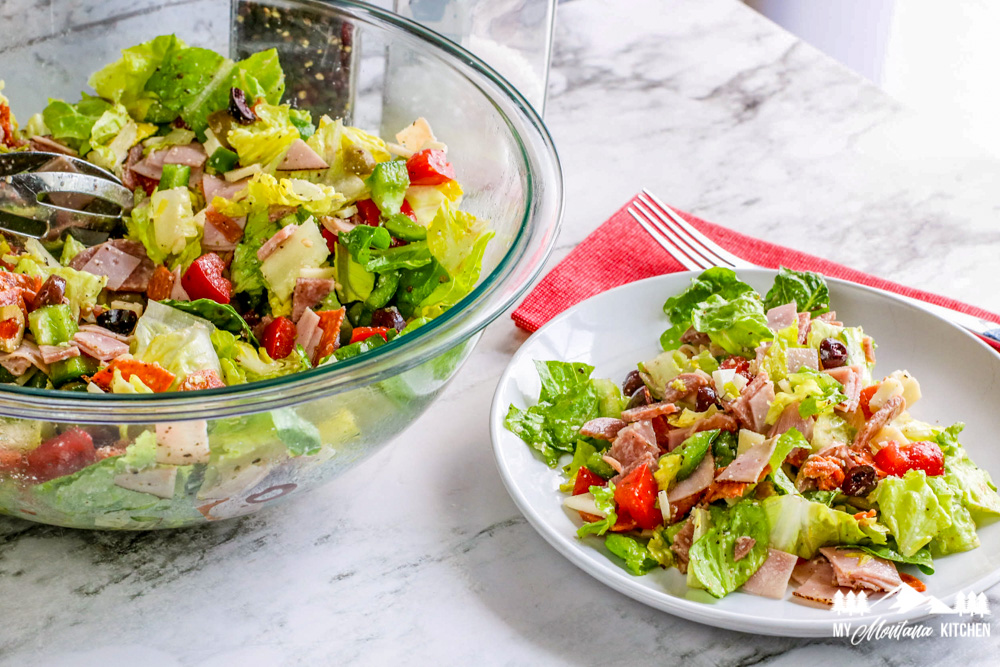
(613, 331)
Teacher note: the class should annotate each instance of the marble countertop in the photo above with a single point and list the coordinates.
(418, 555)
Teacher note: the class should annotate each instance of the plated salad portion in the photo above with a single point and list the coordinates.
(759, 450)
(262, 242)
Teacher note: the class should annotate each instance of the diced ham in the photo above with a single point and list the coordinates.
(805, 321)
(830, 317)
(47, 144)
(749, 409)
(803, 572)
(857, 569)
(696, 482)
(177, 291)
(53, 353)
(720, 420)
(797, 357)
(892, 409)
(309, 293)
(821, 587)
(136, 280)
(23, 358)
(851, 377)
(336, 225)
(694, 337)
(111, 262)
(300, 157)
(782, 317)
(789, 419)
(759, 404)
(681, 546)
(603, 428)
(99, 346)
(748, 466)
(742, 547)
(647, 412)
(635, 446)
(98, 329)
(685, 384)
(272, 243)
(308, 332)
(191, 155)
(213, 186)
(771, 579)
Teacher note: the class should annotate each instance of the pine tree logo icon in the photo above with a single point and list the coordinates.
(850, 604)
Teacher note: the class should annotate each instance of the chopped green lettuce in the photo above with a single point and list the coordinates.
(124, 81)
(266, 140)
(72, 123)
(815, 392)
(245, 268)
(911, 509)
(457, 240)
(800, 526)
(807, 290)
(679, 308)
(922, 558)
(638, 559)
(712, 555)
(221, 315)
(604, 498)
(737, 325)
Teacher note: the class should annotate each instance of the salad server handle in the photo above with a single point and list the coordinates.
(976, 325)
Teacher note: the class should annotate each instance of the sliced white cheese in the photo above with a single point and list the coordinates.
(415, 135)
(889, 433)
(911, 388)
(182, 443)
(747, 440)
(585, 502)
(889, 388)
(159, 481)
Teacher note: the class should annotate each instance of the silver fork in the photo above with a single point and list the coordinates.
(695, 252)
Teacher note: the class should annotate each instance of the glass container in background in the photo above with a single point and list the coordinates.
(513, 36)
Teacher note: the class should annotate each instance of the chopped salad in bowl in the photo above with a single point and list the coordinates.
(263, 243)
(759, 450)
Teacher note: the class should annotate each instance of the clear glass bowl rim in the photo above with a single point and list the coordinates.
(477, 310)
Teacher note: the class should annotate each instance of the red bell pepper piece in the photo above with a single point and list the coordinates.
(64, 454)
(897, 460)
(429, 167)
(866, 397)
(279, 337)
(407, 210)
(363, 333)
(368, 212)
(203, 279)
(636, 494)
(330, 238)
(586, 479)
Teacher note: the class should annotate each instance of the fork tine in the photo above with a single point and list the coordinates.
(696, 238)
(683, 246)
(667, 242)
(670, 227)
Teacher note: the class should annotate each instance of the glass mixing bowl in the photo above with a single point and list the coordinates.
(272, 439)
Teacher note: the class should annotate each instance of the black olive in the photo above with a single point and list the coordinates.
(639, 398)
(52, 292)
(832, 353)
(119, 320)
(632, 382)
(705, 398)
(388, 317)
(859, 481)
(241, 112)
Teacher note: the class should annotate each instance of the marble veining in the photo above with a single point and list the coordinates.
(418, 555)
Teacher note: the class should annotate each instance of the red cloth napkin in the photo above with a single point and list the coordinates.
(620, 252)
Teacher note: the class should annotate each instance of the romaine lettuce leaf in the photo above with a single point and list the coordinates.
(922, 558)
(815, 392)
(124, 80)
(245, 267)
(266, 140)
(711, 556)
(961, 534)
(604, 498)
(807, 290)
(72, 123)
(736, 325)
(911, 509)
(801, 527)
(721, 281)
(638, 559)
(457, 240)
(221, 315)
